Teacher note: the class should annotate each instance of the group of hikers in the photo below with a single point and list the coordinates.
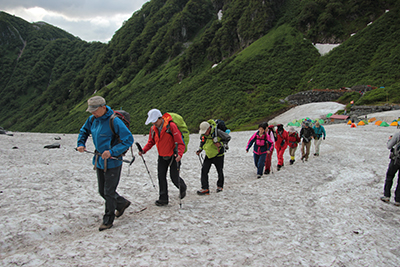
(112, 138)
(266, 139)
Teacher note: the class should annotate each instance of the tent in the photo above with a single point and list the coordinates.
(378, 122)
(384, 124)
(329, 115)
(349, 122)
(372, 119)
(394, 123)
(290, 124)
(297, 124)
(361, 123)
(321, 121)
(353, 125)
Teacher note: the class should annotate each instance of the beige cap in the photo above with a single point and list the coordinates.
(94, 103)
(204, 127)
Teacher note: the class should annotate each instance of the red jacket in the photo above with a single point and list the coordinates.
(165, 141)
(279, 138)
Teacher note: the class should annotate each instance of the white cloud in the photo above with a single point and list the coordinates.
(94, 20)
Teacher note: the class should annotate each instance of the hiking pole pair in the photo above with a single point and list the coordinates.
(139, 147)
(123, 160)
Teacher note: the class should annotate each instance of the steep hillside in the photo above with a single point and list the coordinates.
(163, 57)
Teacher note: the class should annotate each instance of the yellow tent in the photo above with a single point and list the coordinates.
(394, 123)
(361, 123)
(349, 122)
(378, 122)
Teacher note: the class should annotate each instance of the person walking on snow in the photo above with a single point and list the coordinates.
(262, 146)
(394, 166)
(108, 170)
(281, 144)
(294, 139)
(165, 134)
(213, 141)
(319, 131)
(272, 134)
(307, 133)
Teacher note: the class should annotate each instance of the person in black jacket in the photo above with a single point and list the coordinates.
(307, 133)
(394, 166)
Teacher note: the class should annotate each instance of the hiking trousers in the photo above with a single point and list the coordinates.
(107, 184)
(305, 150)
(268, 160)
(259, 161)
(317, 144)
(391, 172)
(279, 153)
(292, 152)
(219, 165)
(163, 164)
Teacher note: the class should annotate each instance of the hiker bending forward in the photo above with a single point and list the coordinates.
(212, 141)
(165, 134)
(108, 170)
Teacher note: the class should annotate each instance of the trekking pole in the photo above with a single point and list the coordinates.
(201, 162)
(179, 178)
(141, 150)
(99, 154)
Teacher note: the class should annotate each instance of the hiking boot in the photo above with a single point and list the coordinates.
(219, 189)
(267, 171)
(120, 212)
(161, 202)
(316, 154)
(397, 204)
(385, 199)
(258, 176)
(302, 158)
(279, 167)
(203, 192)
(291, 162)
(105, 226)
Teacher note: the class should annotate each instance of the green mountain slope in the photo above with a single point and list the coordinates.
(177, 55)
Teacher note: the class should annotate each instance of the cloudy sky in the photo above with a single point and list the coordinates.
(90, 20)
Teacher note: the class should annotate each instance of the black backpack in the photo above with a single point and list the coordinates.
(221, 125)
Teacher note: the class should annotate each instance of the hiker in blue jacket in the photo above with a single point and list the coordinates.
(108, 170)
(319, 132)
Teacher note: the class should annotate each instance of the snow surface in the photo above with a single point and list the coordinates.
(324, 49)
(324, 212)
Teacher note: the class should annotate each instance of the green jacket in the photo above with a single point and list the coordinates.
(207, 143)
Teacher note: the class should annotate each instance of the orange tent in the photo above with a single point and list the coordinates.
(394, 123)
(349, 122)
(378, 122)
(372, 119)
(361, 123)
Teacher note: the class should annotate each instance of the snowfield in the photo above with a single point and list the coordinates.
(324, 212)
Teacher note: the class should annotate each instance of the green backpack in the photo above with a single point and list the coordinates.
(178, 120)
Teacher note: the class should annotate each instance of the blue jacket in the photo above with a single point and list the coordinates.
(102, 137)
(319, 131)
